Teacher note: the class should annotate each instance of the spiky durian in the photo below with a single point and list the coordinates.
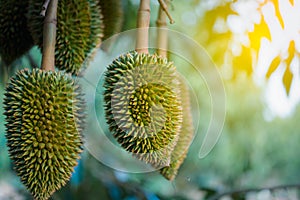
(185, 136)
(142, 106)
(112, 16)
(44, 118)
(15, 38)
(79, 32)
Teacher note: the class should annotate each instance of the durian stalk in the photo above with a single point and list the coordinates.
(143, 21)
(79, 32)
(49, 37)
(162, 33)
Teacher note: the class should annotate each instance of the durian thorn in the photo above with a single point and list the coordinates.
(49, 37)
(44, 8)
(162, 33)
(164, 6)
(143, 21)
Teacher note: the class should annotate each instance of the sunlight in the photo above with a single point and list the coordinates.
(274, 39)
(281, 35)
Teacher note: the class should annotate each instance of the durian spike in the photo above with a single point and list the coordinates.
(44, 121)
(142, 106)
(185, 135)
(143, 21)
(71, 53)
(49, 36)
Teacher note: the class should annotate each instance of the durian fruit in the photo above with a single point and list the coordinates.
(185, 136)
(44, 119)
(15, 38)
(79, 32)
(112, 16)
(142, 106)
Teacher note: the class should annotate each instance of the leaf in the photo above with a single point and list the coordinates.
(243, 62)
(273, 66)
(209, 192)
(260, 30)
(291, 51)
(208, 37)
(278, 14)
(238, 196)
(287, 80)
(292, 2)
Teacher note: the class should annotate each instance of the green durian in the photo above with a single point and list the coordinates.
(79, 32)
(185, 136)
(15, 38)
(112, 16)
(44, 119)
(142, 106)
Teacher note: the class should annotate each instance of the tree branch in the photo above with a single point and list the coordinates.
(49, 37)
(143, 21)
(242, 191)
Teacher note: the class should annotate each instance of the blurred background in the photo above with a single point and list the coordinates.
(255, 45)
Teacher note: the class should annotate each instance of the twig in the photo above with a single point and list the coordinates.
(242, 191)
(44, 8)
(162, 33)
(49, 37)
(164, 6)
(143, 21)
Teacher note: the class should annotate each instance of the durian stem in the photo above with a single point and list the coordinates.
(49, 37)
(164, 7)
(162, 33)
(143, 21)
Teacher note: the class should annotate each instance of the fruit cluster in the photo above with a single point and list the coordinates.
(45, 109)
